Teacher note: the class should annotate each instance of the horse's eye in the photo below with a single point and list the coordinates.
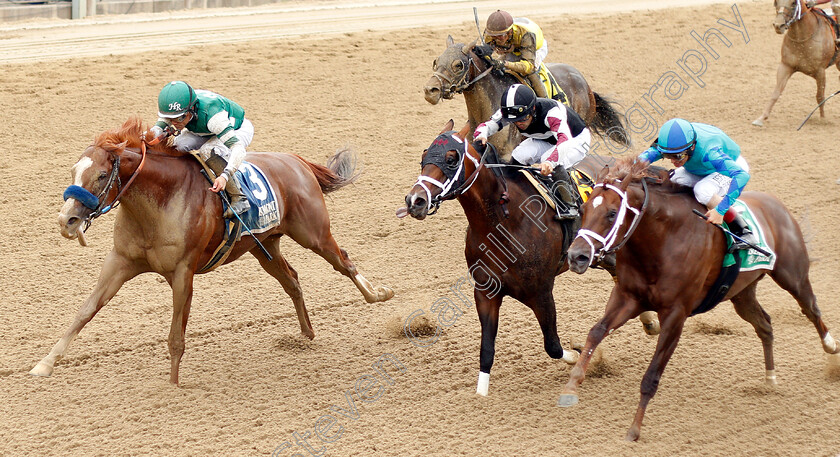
(451, 159)
(611, 215)
(457, 65)
(102, 176)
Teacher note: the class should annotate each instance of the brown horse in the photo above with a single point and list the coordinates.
(460, 70)
(170, 224)
(668, 259)
(513, 249)
(808, 47)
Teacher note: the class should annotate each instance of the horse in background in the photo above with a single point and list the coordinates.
(808, 47)
(460, 70)
(171, 224)
(668, 260)
(514, 247)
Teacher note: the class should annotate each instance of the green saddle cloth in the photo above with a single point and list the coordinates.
(750, 258)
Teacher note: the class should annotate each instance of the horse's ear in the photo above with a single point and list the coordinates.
(599, 176)
(449, 41)
(468, 47)
(449, 126)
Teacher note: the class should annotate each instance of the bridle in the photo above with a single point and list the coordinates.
(608, 241)
(795, 15)
(114, 178)
(449, 87)
(448, 188)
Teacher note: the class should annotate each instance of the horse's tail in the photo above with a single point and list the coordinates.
(608, 121)
(339, 172)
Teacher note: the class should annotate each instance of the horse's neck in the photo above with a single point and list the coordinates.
(481, 99)
(803, 29)
(478, 200)
(668, 214)
(162, 181)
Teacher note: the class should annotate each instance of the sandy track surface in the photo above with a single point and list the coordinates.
(250, 382)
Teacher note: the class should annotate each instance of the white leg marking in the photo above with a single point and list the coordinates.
(770, 377)
(483, 383)
(829, 343)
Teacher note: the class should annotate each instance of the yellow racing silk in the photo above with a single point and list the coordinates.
(523, 25)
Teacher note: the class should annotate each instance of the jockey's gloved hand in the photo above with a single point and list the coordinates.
(499, 67)
(154, 133)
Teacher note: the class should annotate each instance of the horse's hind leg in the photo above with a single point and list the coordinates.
(280, 269)
(820, 77)
(338, 258)
(794, 279)
(747, 306)
(782, 75)
(115, 272)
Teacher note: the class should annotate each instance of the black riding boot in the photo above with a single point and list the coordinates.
(739, 228)
(564, 189)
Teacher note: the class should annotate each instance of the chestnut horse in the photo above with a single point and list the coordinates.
(460, 70)
(667, 261)
(516, 249)
(808, 47)
(170, 223)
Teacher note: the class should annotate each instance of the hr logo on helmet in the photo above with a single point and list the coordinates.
(175, 106)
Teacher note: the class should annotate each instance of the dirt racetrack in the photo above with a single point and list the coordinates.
(251, 383)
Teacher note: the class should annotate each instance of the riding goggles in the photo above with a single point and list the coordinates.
(514, 111)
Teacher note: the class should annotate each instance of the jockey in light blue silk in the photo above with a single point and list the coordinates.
(709, 161)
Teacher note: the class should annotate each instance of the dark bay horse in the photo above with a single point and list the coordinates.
(518, 254)
(460, 70)
(170, 223)
(808, 47)
(668, 262)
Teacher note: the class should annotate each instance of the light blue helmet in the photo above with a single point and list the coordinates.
(676, 136)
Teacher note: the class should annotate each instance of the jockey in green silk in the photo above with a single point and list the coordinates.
(214, 125)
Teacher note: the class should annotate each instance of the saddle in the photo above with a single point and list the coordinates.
(551, 87)
(582, 186)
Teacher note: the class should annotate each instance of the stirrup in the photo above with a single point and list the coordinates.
(748, 237)
(239, 206)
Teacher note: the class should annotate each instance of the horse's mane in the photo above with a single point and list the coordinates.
(627, 168)
(128, 136)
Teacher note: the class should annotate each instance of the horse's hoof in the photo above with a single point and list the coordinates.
(632, 434)
(758, 123)
(42, 369)
(384, 293)
(567, 400)
(652, 328)
(570, 356)
(309, 335)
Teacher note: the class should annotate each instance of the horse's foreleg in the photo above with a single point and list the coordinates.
(820, 77)
(782, 75)
(488, 316)
(668, 339)
(182, 291)
(747, 306)
(280, 269)
(544, 309)
(620, 309)
(115, 272)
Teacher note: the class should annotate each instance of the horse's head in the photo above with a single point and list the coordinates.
(94, 178)
(452, 70)
(442, 172)
(787, 12)
(609, 217)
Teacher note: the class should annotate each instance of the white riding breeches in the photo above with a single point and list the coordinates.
(188, 141)
(571, 152)
(706, 187)
(542, 52)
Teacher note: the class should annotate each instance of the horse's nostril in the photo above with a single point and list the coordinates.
(582, 259)
(72, 221)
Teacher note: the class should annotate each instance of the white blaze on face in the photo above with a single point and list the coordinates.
(78, 170)
(597, 201)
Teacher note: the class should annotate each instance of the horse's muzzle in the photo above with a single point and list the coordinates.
(780, 28)
(579, 259)
(417, 206)
(432, 94)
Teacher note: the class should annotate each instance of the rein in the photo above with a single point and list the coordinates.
(448, 87)
(101, 208)
(612, 236)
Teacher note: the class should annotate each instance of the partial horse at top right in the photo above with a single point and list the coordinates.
(809, 47)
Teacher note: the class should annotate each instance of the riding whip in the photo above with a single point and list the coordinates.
(815, 109)
(224, 197)
(762, 251)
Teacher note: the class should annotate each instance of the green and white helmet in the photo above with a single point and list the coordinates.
(175, 99)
